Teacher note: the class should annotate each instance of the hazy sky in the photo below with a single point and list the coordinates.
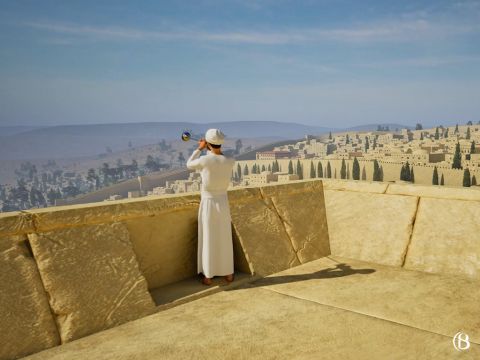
(327, 62)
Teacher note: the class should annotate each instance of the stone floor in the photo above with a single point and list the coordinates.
(328, 308)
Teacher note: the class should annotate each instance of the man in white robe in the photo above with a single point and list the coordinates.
(215, 247)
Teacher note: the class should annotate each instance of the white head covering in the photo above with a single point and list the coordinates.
(214, 136)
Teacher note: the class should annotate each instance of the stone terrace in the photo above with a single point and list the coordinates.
(324, 269)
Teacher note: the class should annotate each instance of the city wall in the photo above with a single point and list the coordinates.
(391, 170)
(75, 270)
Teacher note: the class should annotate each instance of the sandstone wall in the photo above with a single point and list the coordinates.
(74, 270)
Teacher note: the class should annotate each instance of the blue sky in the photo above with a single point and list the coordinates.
(327, 62)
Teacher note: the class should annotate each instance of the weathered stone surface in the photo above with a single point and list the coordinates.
(261, 233)
(92, 277)
(301, 207)
(165, 245)
(433, 302)
(15, 223)
(440, 192)
(26, 322)
(370, 227)
(446, 238)
(257, 323)
(97, 213)
(355, 185)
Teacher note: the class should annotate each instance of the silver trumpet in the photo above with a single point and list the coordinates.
(187, 136)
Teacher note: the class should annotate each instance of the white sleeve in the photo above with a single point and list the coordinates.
(195, 162)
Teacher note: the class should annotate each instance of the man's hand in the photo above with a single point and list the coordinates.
(202, 144)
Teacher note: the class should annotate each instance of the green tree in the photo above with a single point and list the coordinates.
(437, 134)
(466, 178)
(330, 135)
(380, 171)
(347, 139)
(456, 129)
(277, 166)
(442, 181)
(376, 171)
(421, 136)
(245, 170)
(367, 145)
(474, 180)
(468, 134)
(313, 173)
(270, 168)
(254, 169)
(299, 170)
(445, 135)
(435, 176)
(472, 147)
(319, 170)
(374, 142)
(418, 126)
(263, 168)
(356, 169)
(412, 175)
(457, 158)
(329, 170)
(290, 167)
(343, 170)
(239, 171)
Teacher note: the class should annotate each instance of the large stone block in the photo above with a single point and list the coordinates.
(440, 192)
(355, 185)
(301, 208)
(15, 223)
(261, 232)
(26, 322)
(280, 226)
(97, 213)
(370, 227)
(446, 238)
(92, 277)
(166, 245)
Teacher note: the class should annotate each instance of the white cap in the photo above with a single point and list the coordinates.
(214, 136)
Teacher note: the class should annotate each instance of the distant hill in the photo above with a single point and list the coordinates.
(12, 130)
(373, 127)
(86, 140)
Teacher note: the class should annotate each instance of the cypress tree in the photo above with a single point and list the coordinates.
(364, 174)
(254, 169)
(446, 134)
(437, 134)
(374, 142)
(474, 180)
(376, 175)
(347, 140)
(380, 171)
(421, 136)
(319, 170)
(435, 176)
(367, 145)
(466, 178)
(343, 170)
(457, 158)
(356, 169)
(269, 168)
(263, 168)
(330, 135)
(442, 180)
(239, 172)
(468, 134)
(329, 170)
(290, 167)
(313, 173)
(412, 175)
(456, 129)
(299, 170)
(407, 172)
(472, 147)
(245, 170)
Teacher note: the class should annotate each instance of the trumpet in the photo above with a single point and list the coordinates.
(187, 136)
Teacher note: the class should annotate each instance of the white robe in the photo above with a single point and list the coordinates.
(215, 247)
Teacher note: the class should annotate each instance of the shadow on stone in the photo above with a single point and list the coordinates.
(339, 270)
